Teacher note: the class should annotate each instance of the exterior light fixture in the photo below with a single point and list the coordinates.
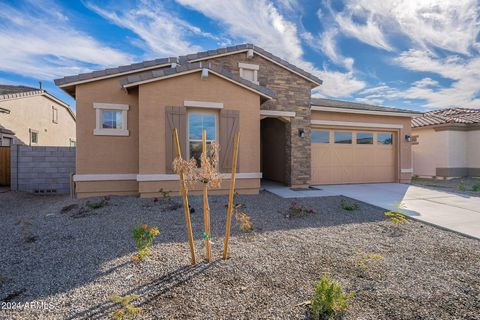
(408, 138)
(301, 133)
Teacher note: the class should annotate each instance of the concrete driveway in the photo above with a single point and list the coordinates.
(448, 210)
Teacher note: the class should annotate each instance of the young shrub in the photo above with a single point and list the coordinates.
(365, 258)
(125, 310)
(347, 207)
(476, 187)
(97, 204)
(144, 236)
(165, 197)
(298, 210)
(396, 217)
(461, 185)
(329, 301)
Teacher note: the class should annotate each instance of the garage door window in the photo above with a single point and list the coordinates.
(364, 138)
(343, 137)
(385, 138)
(320, 136)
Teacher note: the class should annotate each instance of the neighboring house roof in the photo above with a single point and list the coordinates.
(199, 56)
(158, 63)
(9, 92)
(458, 116)
(155, 75)
(353, 107)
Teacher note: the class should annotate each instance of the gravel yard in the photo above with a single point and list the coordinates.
(75, 261)
(457, 185)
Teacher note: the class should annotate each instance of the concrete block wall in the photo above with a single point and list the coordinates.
(42, 170)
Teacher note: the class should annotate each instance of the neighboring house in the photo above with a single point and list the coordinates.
(32, 116)
(446, 143)
(126, 114)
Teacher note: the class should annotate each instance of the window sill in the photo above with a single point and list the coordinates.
(111, 132)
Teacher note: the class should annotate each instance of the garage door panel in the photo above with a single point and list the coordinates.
(352, 163)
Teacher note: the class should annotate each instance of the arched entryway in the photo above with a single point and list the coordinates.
(273, 158)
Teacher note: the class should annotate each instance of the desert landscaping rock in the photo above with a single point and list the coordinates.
(77, 264)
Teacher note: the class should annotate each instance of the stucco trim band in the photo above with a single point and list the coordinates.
(152, 177)
(203, 104)
(274, 113)
(357, 124)
(379, 113)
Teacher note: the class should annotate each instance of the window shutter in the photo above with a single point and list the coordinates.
(229, 125)
(175, 117)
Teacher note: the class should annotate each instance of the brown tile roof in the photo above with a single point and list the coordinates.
(166, 72)
(320, 102)
(461, 116)
(243, 47)
(153, 64)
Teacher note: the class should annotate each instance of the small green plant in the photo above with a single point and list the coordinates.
(298, 211)
(329, 301)
(144, 236)
(97, 204)
(125, 309)
(365, 258)
(164, 197)
(476, 187)
(349, 207)
(461, 185)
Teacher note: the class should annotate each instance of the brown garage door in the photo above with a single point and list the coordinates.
(352, 156)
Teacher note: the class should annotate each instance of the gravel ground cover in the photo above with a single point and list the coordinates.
(73, 260)
(452, 185)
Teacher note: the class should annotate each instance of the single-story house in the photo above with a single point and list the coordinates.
(125, 116)
(446, 143)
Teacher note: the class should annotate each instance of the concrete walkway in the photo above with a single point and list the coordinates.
(452, 211)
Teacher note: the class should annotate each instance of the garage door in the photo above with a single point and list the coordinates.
(351, 156)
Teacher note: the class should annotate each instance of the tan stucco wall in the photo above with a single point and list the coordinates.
(155, 96)
(405, 148)
(105, 154)
(35, 112)
(473, 149)
(431, 152)
(445, 149)
(143, 151)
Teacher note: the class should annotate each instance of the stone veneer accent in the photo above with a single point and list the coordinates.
(42, 170)
(293, 94)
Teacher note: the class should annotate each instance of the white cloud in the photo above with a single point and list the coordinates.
(448, 24)
(425, 83)
(161, 31)
(36, 41)
(266, 27)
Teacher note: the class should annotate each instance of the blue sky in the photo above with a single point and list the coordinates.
(417, 55)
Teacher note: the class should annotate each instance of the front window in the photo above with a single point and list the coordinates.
(197, 122)
(111, 119)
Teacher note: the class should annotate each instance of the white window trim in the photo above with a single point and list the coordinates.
(203, 104)
(34, 131)
(99, 107)
(356, 124)
(247, 66)
(217, 132)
